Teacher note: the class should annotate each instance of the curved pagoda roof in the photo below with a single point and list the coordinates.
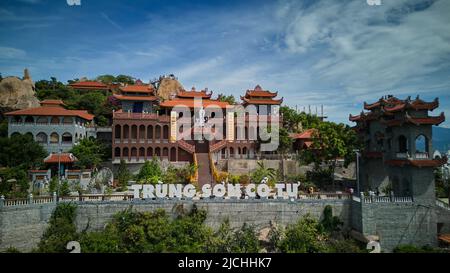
(260, 96)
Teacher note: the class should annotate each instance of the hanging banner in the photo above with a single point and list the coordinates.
(173, 126)
(230, 126)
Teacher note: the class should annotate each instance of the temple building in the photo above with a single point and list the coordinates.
(397, 155)
(149, 125)
(51, 125)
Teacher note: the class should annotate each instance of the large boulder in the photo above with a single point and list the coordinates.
(16, 93)
(168, 86)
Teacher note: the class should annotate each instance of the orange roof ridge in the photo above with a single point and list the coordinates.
(139, 88)
(46, 110)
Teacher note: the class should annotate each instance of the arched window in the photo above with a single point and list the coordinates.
(55, 120)
(245, 152)
(166, 132)
(41, 138)
(42, 120)
(133, 152)
(15, 134)
(125, 152)
(117, 152)
(133, 132)
(117, 131)
(142, 132)
(173, 154)
(165, 152)
(231, 152)
(149, 132)
(29, 119)
(54, 138)
(67, 138)
(141, 152)
(126, 131)
(158, 132)
(402, 144)
(149, 152)
(421, 144)
(224, 153)
(157, 152)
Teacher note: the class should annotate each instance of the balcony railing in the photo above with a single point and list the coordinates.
(401, 155)
(148, 116)
(421, 155)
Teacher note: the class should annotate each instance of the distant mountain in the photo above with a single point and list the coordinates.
(441, 139)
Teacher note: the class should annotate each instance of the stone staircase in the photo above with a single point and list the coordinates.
(218, 145)
(186, 146)
(204, 169)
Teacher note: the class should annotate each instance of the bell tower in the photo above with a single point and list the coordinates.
(397, 156)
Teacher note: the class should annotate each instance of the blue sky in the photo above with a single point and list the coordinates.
(336, 53)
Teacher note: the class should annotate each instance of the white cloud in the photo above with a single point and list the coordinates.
(370, 48)
(11, 53)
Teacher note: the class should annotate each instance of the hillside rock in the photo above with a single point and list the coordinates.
(16, 93)
(168, 86)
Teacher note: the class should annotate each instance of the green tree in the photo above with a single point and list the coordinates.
(246, 240)
(125, 79)
(89, 152)
(230, 98)
(150, 172)
(15, 183)
(21, 151)
(61, 229)
(303, 237)
(64, 189)
(106, 79)
(331, 141)
(123, 175)
(329, 222)
(261, 172)
(4, 128)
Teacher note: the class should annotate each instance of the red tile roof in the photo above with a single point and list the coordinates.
(138, 88)
(135, 98)
(262, 101)
(190, 103)
(445, 237)
(259, 92)
(60, 158)
(308, 134)
(51, 110)
(418, 163)
(52, 102)
(418, 121)
(194, 94)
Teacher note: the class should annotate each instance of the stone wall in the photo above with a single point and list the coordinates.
(23, 226)
(398, 223)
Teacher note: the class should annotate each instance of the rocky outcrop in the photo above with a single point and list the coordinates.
(16, 93)
(168, 86)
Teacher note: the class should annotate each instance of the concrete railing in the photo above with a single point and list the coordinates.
(382, 199)
(130, 197)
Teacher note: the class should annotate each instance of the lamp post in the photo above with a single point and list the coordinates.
(59, 169)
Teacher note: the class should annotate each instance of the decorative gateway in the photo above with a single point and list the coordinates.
(262, 190)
